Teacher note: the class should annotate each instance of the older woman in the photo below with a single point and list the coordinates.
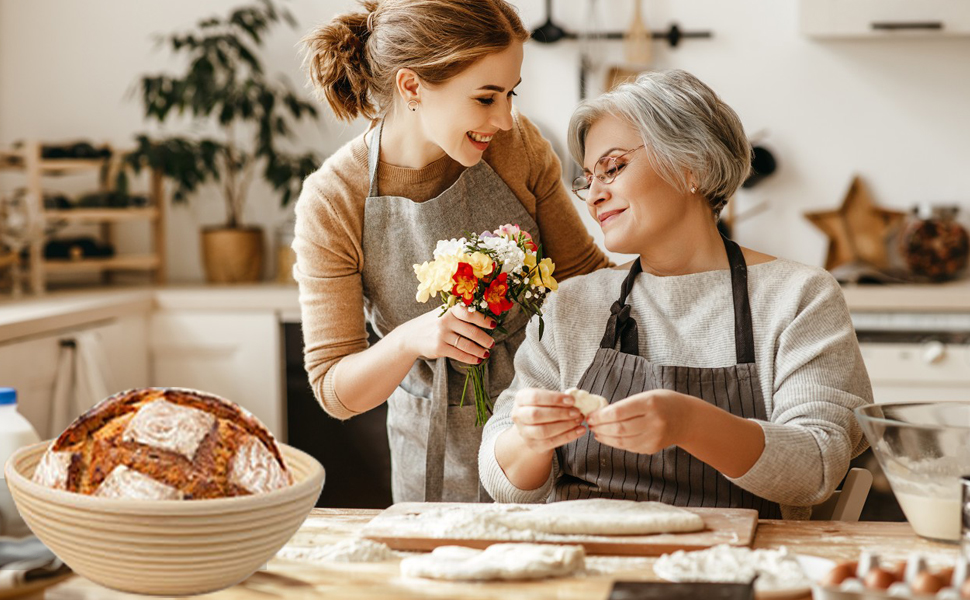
(731, 375)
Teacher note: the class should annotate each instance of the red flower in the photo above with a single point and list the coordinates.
(465, 283)
(496, 294)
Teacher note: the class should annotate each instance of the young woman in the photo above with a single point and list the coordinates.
(446, 154)
(736, 373)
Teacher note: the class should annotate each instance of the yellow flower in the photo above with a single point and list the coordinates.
(481, 264)
(435, 277)
(423, 271)
(543, 274)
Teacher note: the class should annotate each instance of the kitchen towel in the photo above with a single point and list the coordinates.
(27, 561)
(81, 380)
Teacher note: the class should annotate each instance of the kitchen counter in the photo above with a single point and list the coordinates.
(36, 315)
(379, 581)
(31, 315)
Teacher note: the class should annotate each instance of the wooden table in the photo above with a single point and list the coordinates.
(382, 581)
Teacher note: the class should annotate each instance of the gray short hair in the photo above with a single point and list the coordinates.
(685, 126)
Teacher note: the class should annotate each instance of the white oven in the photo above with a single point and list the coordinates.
(913, 357)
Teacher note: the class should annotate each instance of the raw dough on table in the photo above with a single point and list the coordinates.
(605, 517)
(586, 402)
(498, 561)
(775, 570)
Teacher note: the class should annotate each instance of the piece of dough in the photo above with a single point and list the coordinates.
(586, 402)
(776, 570)
(605, 517)
(497, 562)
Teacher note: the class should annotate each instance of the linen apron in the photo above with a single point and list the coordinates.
(434, 442)
(672, 476)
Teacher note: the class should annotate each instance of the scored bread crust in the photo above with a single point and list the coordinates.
(97, 445)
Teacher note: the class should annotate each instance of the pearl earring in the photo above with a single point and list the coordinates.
(413, 105)
(693, 189)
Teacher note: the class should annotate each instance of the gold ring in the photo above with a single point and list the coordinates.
(457, 339)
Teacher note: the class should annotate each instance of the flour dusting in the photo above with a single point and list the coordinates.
(354, 550)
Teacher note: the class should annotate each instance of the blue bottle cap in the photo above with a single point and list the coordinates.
(8, 396)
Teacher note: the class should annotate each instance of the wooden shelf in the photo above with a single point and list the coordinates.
(28, 161)
(52, 166)
(146, 262)
(7, 259)
(101, 215)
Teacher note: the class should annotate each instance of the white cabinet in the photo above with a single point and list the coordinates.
(884, 18)
(30, 365)
(233, 354)
(926, 372)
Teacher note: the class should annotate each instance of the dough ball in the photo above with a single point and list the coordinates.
(586, 402)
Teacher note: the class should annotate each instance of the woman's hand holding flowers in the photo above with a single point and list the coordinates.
(458, 334)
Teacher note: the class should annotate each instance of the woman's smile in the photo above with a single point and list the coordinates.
(479, 140)
(608, 216)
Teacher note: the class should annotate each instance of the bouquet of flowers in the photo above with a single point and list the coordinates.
(488, 273)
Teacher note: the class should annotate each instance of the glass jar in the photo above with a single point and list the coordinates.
(933, 244)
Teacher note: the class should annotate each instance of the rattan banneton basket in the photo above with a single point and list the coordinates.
(164, 547)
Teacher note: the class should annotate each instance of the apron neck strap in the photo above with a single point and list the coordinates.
(621, 326)
(373, 158)
(743, 330)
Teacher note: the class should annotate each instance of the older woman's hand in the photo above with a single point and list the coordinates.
(546, 420)
(644, 423)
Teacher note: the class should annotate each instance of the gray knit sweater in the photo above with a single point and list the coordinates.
(808, 360)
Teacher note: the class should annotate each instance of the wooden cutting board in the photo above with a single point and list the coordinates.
(734, 526)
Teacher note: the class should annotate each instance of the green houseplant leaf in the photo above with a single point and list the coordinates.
(224, 82)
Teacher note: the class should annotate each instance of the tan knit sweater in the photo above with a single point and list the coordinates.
(329, 234)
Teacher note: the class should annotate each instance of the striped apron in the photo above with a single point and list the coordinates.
(672, 476)
(434, 441)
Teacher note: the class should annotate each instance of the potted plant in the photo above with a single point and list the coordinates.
(225, 84)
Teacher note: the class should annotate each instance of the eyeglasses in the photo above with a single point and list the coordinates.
(605, 170)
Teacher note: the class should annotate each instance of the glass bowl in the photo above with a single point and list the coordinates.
(924, 449)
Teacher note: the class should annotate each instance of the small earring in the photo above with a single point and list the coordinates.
(413, 105)
(693, 189)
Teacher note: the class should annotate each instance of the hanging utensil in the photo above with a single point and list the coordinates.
(548, 32)
(637, 44)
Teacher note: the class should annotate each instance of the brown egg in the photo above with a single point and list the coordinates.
(878, 579)
(945, 575)
(899, 571)
(838, 574)
(927, 583)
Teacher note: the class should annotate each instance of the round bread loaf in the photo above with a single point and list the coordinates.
(164, 444)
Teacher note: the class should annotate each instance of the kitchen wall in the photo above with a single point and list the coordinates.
(894, 111)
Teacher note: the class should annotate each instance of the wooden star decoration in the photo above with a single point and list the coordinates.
(857, 230)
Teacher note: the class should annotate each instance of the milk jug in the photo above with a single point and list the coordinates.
(15, 432)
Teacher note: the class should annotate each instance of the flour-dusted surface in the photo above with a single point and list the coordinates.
(497, 562)
(424, 526)
(600, 516)
(776, 570)
(354, 550)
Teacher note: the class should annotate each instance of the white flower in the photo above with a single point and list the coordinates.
(450, 247)
(471, 309)
(483, 304)
(506, 252)
(528, 294)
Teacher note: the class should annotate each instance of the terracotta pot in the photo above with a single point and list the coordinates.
(232, 255)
